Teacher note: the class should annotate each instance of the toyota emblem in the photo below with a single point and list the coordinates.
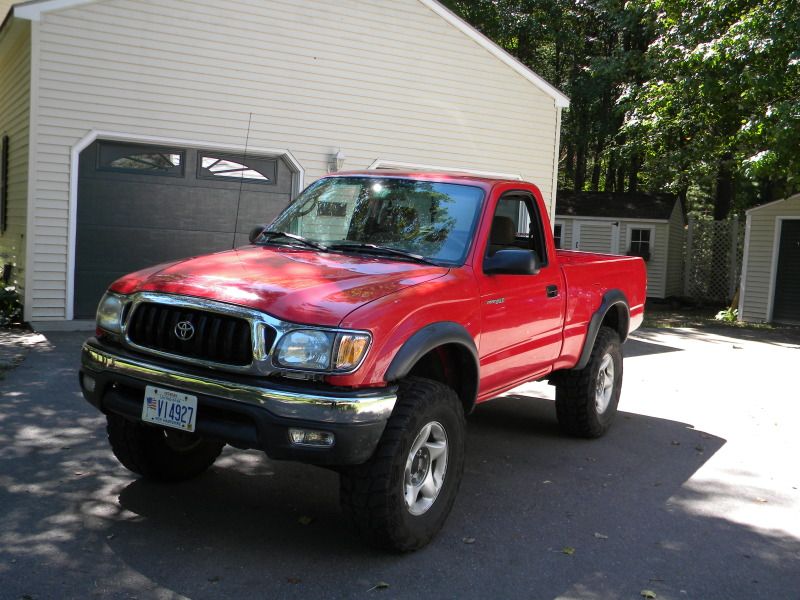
(184, 331)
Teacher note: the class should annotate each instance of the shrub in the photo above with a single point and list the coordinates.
(728, 315)
(10, 306)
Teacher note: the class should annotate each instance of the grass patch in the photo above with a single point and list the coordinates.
(668, 315)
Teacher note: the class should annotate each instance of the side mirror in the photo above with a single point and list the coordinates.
(255, 232)
(512, 262)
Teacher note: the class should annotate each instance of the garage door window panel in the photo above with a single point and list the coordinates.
(139, 159)
(239, 168)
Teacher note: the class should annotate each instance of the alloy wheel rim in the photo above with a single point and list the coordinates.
(604, 387)
(425, 468)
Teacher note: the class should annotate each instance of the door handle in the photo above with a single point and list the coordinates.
(552, 291)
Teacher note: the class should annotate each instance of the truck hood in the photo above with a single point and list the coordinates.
(291, 284)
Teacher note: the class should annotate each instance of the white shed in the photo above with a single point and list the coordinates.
(649, 225)
(141, 131)
(770, 288)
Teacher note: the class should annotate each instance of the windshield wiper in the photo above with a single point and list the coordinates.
(384, 250)
(270, 235)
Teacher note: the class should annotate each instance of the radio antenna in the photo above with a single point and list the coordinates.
(241, 179)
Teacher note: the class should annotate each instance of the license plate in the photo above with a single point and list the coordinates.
(169, 408)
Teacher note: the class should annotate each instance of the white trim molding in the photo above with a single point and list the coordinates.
(380, 163)
(630, 226)
(30, 210)
(33, 10)
(114, 136)
(560, 99)
(621, 220)
(773, 203)
(745, 263)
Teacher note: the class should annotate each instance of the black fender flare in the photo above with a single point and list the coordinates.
(426, 339)
(612, 299)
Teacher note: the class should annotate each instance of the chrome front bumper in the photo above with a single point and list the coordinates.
(346, 408)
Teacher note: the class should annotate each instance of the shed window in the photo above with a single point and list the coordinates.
(640, 243)
(132, 158)
(557, 235)
(213, 166)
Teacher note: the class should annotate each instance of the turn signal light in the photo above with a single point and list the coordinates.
(310, 437)
(351, 350)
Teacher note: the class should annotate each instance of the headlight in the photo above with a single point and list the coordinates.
(109, 313)
(317, 350)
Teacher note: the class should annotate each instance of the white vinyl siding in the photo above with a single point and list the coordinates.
(677, 236)
(15, 56)
(385, 79)
(760, 260)
(595, 237)
(657, 265)
(666, 245)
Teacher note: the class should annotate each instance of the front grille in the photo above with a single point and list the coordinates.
(215, 338)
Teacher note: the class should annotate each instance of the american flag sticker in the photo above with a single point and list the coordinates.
(151, 403)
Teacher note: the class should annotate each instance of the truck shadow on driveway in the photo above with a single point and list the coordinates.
(539, 515)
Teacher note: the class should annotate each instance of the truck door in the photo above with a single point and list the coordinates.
(522, 315)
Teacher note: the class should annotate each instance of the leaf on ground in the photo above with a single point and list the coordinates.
(699, 448)
(214, 579)
(676, 443)
(600, 536)
(468, 540)
(568, 550)
(381, 585)
(293, 580)
(649, 594)
(305, 520)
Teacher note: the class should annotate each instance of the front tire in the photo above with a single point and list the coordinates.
(401, 497)
(586, 399)
(160, 454)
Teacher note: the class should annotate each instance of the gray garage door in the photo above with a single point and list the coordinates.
(786, 307)
(139, 205)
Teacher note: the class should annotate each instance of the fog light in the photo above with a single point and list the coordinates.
(309, 437)
(89, 384)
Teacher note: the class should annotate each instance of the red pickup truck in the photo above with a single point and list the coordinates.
(356, 332)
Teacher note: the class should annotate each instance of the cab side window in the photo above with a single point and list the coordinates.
(517, 224)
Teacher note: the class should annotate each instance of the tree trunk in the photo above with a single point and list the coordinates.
(633, 176)
(621, 178)
(569, 166)
(608, 184)
(580, 167)
(723, 196)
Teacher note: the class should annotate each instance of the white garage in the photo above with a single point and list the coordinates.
(141, 131)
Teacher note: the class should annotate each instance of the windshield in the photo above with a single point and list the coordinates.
(428, 219)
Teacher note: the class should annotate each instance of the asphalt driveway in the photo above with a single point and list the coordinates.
(695, 493)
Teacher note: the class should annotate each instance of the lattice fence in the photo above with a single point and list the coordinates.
(713, 259)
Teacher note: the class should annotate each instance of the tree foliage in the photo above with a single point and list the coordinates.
(698, 97)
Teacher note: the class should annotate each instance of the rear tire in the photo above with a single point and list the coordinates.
(160, 454)
(586, 399)
(401, 497)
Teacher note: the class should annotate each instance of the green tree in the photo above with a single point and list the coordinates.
(720, 108)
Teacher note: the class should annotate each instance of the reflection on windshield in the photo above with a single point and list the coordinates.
(433, 220)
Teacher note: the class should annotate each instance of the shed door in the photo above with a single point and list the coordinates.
(140, 205)
(597, 237)
(787, 281)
